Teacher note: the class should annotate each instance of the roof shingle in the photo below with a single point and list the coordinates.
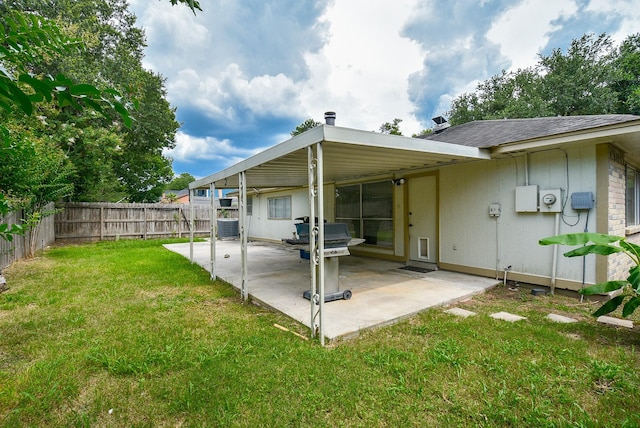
(492, 133)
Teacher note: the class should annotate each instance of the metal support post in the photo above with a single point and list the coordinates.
(213, 216)
(242, 201)
(320, 226)
(313, 262)
(191, 222)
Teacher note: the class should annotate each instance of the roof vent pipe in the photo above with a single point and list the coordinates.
(330, 118)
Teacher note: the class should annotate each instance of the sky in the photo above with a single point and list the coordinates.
(243, 74)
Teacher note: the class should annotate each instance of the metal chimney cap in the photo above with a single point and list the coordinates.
(330, 117)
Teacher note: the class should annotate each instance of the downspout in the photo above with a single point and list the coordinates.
(554, 262)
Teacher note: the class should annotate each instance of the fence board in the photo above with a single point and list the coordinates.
(16, 249)
(88, 221)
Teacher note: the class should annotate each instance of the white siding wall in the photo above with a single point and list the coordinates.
(465, 192)
(260, 226)
(482, 241)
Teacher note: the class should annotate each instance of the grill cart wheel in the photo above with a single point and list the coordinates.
(346, 295)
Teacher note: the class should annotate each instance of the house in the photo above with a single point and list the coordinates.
(198, 196)
(474, 198)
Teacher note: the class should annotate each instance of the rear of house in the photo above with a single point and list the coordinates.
(484, 215)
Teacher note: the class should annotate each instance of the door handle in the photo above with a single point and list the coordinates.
(410, 225)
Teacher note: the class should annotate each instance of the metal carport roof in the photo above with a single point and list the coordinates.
(325, 154)
(348, 153)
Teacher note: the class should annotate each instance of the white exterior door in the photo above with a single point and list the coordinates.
(423, 219)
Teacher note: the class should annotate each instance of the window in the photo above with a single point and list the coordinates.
(249, 207)
(279, 208)
(632, 196)
(368, 211)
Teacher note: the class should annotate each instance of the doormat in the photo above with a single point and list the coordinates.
(416, 269)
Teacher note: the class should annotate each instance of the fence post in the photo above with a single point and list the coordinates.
(101, 223)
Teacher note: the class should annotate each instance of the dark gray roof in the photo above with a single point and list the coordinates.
(491, 133)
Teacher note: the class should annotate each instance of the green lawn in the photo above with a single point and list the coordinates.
(129, 334)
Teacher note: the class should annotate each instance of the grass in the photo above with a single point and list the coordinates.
(129, 334)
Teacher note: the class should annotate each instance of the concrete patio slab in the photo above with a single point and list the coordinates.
(382, 293)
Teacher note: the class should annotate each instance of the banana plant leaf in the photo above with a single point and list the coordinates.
(634, 277)
(630, 306)
(581, 238)
(610, 306)
(603, 287)
(602, 250)
(631, 248)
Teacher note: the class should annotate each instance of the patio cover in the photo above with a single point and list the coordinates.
(321, 155)
(348, 153)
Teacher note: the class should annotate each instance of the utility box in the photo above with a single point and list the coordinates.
(551, 201)
(582, 200)
(527, 199)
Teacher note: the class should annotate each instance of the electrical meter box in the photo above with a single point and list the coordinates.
(551, 201)
(527, 199)
(582, 200)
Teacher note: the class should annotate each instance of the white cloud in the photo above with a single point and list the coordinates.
(192, 149)
(362, 71)
(523, 30)
(628, 10)
(241, 72)
(221, 96)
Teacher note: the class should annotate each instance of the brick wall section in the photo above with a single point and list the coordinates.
(618, 265)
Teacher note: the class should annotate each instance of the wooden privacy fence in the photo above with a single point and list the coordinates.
(89, 221)
(17, 248)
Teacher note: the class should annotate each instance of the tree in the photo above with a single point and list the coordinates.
(627, 79)
(111, 162)
(304, 127)
(579, 82)
(391, 128)
(180, 182)
(35, 172)
(27, 39)
(590, 78)
(422, 133)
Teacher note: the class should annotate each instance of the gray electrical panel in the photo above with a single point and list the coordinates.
(582, 200)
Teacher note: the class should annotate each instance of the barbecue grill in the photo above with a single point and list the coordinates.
(337, 241)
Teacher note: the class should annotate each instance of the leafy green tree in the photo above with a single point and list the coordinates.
(304, 127)
(423, 132)
(578, 82)
(7, 231)
(111, 162)
(392, 128)
(591, 77)
(627, 80)
(27, 39)
(180, 182)
(512, 95)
